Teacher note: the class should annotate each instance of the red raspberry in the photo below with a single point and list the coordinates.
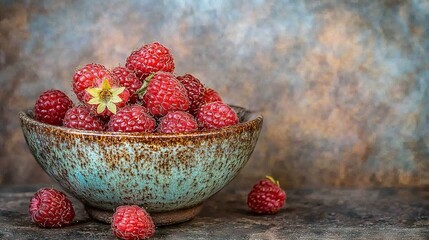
(216, 115)
(150, 58)
(81, 117)
(177, 122)
(194, 89)
(129, 80)
(51, 208)
(86, 76)
(132, 222)
(106, 96)
(164, 93)
(266, 197)
(132, 118)
(211, 95)
(51, 106)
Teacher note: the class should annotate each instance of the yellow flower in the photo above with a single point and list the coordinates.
(105, 96)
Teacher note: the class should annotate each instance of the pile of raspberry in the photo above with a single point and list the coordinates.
(145, 95)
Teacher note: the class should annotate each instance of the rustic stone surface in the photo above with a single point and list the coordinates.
(343, 85)
(386, 213)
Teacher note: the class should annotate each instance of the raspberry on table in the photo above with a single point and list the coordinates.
(133, 118)
(177, 122)
(150, 58)
(266, 197)
(132, 222)
(129, 80)
(211, 95)
(163, 93)
(51, 106)
(194, 89)
(81, 117)
(216, 115)
(51, 208)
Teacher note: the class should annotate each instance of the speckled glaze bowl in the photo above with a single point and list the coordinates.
(169, 175)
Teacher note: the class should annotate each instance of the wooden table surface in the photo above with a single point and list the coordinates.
(386, 213)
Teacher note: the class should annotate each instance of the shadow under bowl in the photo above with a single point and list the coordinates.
(170, 175)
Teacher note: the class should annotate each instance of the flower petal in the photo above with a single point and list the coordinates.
(101, 107)
(117, 91)
(105, 85)
(94, 92)
(112, 107)
(94, 101)
(115, 99)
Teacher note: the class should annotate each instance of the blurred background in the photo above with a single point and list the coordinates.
(343, 85)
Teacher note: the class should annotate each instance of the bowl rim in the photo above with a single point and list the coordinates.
(254, 120)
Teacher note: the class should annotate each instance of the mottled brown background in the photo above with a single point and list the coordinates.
(343, 85)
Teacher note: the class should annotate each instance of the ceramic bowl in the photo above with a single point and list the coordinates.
(170, 175)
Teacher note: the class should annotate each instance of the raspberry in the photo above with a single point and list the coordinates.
(106, 96)
(51, 208)
(129, 80)
(216, 115)
(266, 197)
(163, 93)
(211, 95)
(81, 117)
(86, 76)
(177, 122)
(132, 118)
(150, 58)
(51, 106)
(132, 222)
(194, 89)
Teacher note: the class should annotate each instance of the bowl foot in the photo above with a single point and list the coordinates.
(159, 218)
